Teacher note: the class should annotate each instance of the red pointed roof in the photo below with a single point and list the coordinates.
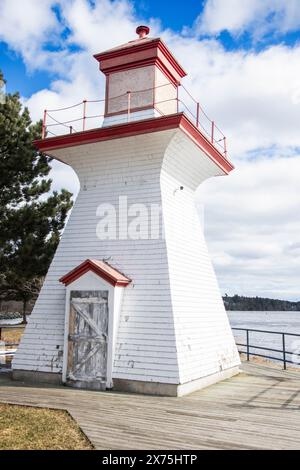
(101, 268)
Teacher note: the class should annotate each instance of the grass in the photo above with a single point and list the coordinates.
(29, 428)
(12, 335)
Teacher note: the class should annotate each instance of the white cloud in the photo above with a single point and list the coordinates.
(27, 26)
(253, 97)
(252, 227)
(256, 16)
(92, 28)
(64, 176)
(99, 26)
(251, 218)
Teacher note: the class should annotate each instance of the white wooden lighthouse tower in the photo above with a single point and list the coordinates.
(131, 301)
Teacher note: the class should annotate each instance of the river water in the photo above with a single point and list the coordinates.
(287, 322)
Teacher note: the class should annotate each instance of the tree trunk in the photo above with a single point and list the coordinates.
(24, 312)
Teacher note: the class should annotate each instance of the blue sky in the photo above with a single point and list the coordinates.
(27, 82)
(176, 16)
(173, 15)
(19, 78)
(243, 64)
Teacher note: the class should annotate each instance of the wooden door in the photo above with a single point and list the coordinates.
(88, 339)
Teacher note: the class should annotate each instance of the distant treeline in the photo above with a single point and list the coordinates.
(238, 302)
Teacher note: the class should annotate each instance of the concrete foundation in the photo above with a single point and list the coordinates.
(37, 377)
(172, 390)
(132, 386)
(91, 385)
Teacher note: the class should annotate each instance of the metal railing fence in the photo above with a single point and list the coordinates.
(76, 117)
(284, 354)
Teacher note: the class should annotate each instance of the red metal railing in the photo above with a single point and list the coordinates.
(87, 114)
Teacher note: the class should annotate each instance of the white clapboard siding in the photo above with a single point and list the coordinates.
(106, 171)
(173, 327)
(205, 344)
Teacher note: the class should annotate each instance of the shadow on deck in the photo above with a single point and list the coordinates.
(257, 409)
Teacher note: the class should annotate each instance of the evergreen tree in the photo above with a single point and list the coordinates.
(31, 217)
(237, 302)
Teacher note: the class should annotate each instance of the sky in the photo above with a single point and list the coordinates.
(243, 64)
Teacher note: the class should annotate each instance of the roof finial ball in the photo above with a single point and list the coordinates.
(142, 31)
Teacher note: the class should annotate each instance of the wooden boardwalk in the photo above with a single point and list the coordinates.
(258, 409)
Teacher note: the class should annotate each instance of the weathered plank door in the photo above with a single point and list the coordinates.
(88, 339)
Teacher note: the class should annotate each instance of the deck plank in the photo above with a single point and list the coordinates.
(258, 409)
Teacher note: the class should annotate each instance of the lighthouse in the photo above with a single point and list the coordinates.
(131, 301)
